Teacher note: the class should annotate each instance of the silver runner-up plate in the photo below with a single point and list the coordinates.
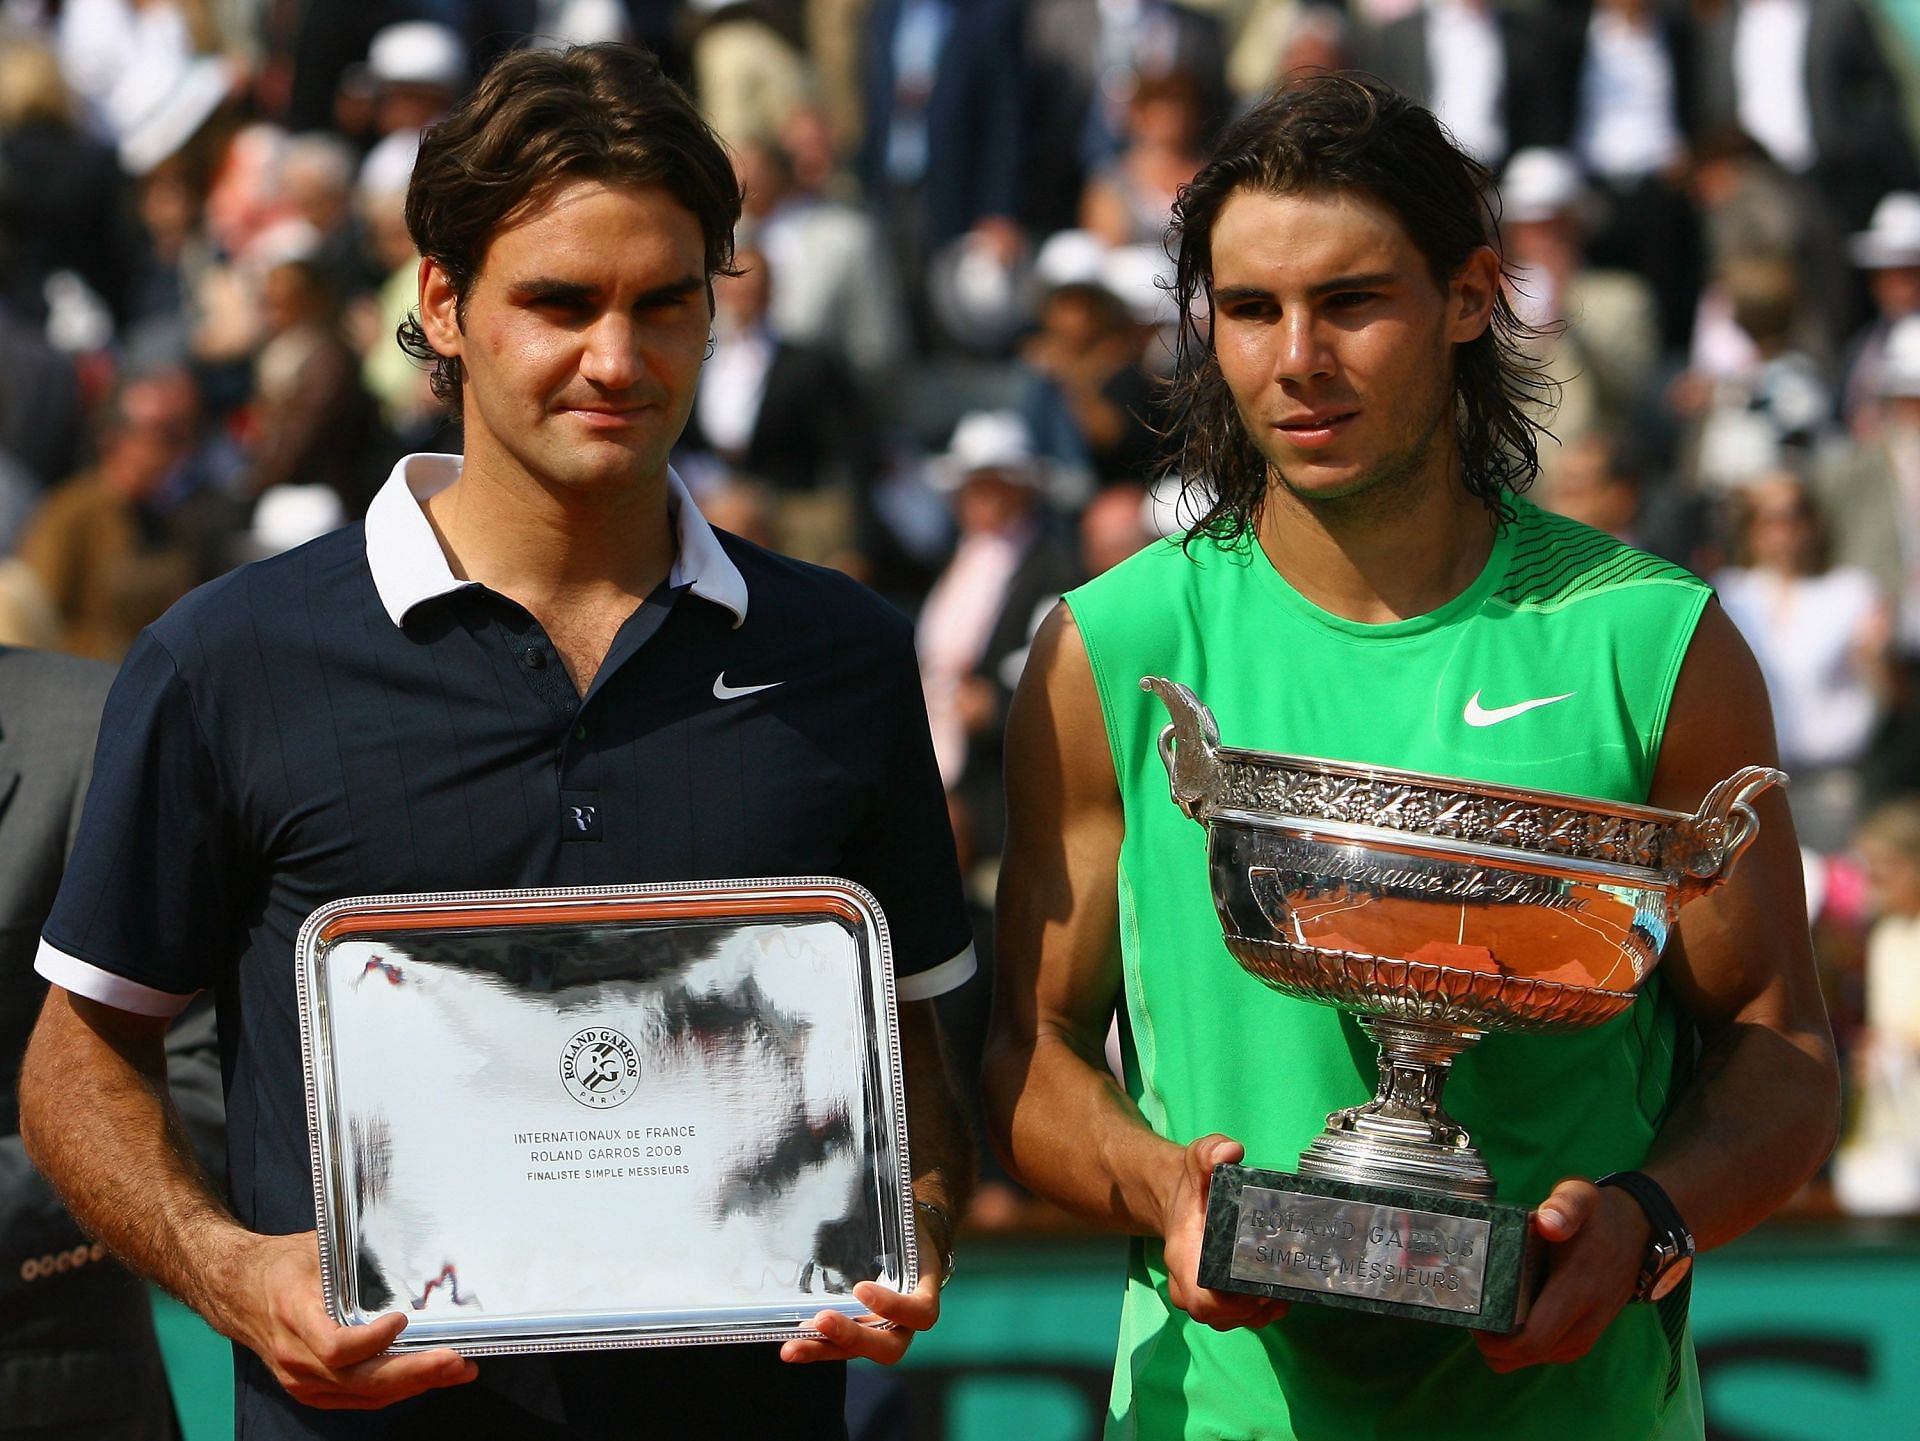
(560, 1120)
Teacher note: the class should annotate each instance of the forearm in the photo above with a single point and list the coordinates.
(1756, 1122)
(1068, 1131)
(98, 1123)
(942, 1141)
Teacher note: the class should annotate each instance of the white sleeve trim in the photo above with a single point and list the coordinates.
(950, 974)
(84, 978)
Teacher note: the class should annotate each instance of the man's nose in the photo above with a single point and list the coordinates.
(1302, 350)
(611, 359)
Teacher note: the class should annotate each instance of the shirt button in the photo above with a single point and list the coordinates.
(534, 657)
(580, 732)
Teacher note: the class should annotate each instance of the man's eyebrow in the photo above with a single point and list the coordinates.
(542, 288)
(673, 290)
(545, 288)
(1232, 294)
(1373, 280)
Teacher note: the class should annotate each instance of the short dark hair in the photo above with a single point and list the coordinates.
(540, 120)
(1324, 134)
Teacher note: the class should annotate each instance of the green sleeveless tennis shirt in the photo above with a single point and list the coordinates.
(1553, 670)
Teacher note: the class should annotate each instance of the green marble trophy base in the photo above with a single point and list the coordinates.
(1390, 1250)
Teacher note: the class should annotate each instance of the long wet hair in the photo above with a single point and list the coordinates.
(1318, 136)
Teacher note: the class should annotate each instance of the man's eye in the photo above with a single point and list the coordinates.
(1349, 299)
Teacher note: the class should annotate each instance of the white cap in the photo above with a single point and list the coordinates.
(1142, 276)
(290, 515)
(171, 110)
(980, 300)
(1892, 237)
(995, 440)
(388, 168)
(1900, 361)
(1071, 257)
(1540, 184)
(418, 52)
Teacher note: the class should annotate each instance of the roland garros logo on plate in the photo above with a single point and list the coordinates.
(600, 1067)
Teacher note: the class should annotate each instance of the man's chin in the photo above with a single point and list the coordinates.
(1322, 484)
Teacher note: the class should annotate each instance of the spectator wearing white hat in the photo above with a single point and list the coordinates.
(1888, 252)
(1086, 386)
(418, 69)
(1007, 571)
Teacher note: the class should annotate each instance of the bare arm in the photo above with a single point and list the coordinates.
(943, 1173)
(1058, 1118)
(97, 1120)
(1761, 1112)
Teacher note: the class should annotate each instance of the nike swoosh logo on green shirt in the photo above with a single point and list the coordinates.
(1476, 715)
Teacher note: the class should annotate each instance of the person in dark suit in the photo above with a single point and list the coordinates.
(1622, 80)
(787, 414)
(1833, 113)
(78, 1361)
(944, 147)
(1477, 65)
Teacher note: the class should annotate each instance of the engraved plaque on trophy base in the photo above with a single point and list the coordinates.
(1389, 1250)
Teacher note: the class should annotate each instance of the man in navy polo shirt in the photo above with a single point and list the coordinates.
(534, 665)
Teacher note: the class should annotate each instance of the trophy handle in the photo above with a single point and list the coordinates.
(1712, 842)
(1189, 744)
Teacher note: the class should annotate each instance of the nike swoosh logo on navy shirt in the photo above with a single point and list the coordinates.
(723, 691)
(1476, 715)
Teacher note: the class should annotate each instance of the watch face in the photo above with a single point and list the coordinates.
(1670, 1275)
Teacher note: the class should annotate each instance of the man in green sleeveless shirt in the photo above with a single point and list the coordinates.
(1368, 586)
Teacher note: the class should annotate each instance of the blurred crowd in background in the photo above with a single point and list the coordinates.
(939, 367)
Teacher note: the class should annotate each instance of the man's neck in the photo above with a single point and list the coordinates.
(552, 548)
(1365, 564)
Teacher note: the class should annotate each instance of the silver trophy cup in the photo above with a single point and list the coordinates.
(1436, 910)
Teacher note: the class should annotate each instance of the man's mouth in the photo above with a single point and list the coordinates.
(1316, 430)
(607, 415)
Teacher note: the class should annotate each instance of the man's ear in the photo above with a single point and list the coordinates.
(439, 309)
(1471, 296)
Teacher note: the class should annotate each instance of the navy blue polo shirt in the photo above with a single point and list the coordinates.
(351, 719)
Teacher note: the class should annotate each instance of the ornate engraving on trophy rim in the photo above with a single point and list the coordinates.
(1453, 815)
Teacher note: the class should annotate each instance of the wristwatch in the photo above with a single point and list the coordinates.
(1669, 1255)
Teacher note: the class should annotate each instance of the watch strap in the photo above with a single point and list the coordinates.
(1671, 1242)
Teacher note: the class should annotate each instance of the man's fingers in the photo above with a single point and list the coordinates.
(1214, 1150)
(916, 1310)
(376, 1383)
(337, 1347)
(394, 1378)
(842, 1338)
(1230, 1310)
(1566, 1209)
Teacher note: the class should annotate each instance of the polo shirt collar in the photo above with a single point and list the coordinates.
(409, 566)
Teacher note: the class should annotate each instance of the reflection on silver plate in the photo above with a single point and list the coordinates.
(591, 1118)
